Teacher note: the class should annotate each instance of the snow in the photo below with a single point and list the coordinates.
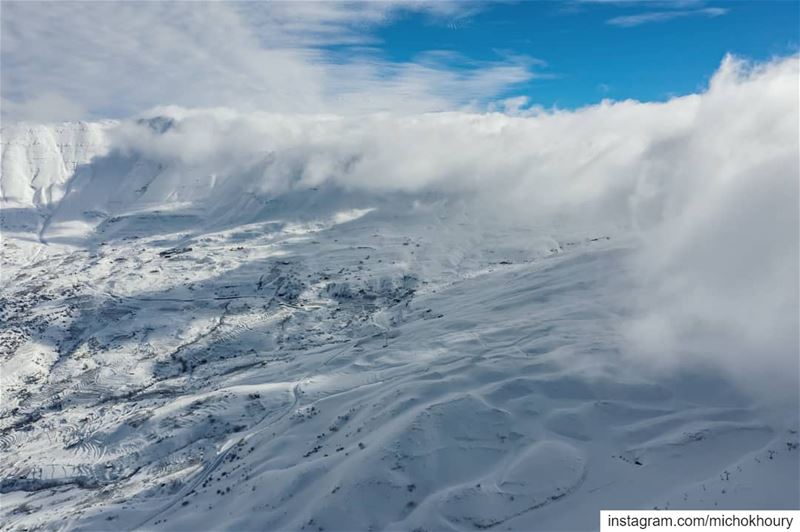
(38, 160)
(181, 351)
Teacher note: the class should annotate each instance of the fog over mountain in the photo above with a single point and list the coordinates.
(237, 319)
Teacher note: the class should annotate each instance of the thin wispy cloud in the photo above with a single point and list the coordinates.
(628, 21)
(578, 6)
(118, 59)
(660, 3)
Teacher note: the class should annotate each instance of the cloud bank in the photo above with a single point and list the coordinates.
(720, 269)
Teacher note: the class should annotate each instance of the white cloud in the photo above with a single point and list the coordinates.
(115, 59)
(721, 268)
(628, 21)
(672, 4)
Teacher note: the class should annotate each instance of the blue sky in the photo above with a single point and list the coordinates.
(89, 60)
(587, 57)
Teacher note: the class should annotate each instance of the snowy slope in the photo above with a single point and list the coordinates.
(182, 350)
(38, 160)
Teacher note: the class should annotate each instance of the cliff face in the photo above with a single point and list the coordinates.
(66, 180)
(38, 161)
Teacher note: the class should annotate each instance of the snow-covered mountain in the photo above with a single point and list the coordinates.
(38, 160)
(230, 327)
